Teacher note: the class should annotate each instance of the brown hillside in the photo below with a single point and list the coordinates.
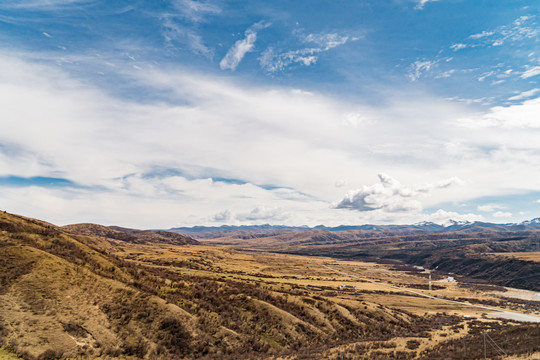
(129, 235)
(67, 295)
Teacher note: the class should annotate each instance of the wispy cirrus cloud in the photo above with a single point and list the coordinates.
(458, 46)
(173, 32)
(181, 25)
(521, 32)
(483, 34)
(525, 94)
(196, 11)
(43, 4)
(240, 48)
(420, 67)
(530, 72)
(523, 28)
(421, 3)
(273, 60)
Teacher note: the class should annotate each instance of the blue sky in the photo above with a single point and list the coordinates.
(183, 112)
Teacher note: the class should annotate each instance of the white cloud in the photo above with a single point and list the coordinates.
(237, 52)
(502, 214)
(51, 120)
(525, 95)
(449, 182)
(326, 41)
(420, 67)
(532, 71)
(524, 115)
(485, 208)
(389, 195)
(483, 100)
(173, 32)
(421, 3)
(355, 119)
(196, 11)
(519, 34)
(272, 60)
(42, 4)
(445, 74)
(182, 27)
(489, 207)
(482, 34)
(447, 218)
(223, 216)
(521, 29)
(262, 213)
(458, 46)
(486, 75)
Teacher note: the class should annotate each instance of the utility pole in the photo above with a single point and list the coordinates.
(485, 349)
(430, 282)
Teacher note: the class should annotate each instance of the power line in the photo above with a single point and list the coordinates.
(498, 348)
(492, 343)
(485, 347)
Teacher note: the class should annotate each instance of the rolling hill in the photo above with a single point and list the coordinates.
(90, 291)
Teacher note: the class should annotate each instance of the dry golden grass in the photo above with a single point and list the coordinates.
(529, 256)
(6, 355)
(55, 292)
(294, 297)
(282, 271)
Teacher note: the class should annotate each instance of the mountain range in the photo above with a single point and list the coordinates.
(452, 225)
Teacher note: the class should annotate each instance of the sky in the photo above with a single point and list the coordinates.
(156, 114)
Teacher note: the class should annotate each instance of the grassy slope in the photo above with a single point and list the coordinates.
(57, 293)
(66, 294)
(468, 253)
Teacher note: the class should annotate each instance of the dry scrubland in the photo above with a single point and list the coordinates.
(88, 291)
(531, 256)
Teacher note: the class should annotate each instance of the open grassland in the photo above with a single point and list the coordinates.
(506, 258)
(68, 294)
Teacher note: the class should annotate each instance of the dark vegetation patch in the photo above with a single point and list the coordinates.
(511, 339)
(75, 329)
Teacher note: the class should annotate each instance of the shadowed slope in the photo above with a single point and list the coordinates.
(129, 235)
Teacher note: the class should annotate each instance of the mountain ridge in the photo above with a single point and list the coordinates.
(452, 225)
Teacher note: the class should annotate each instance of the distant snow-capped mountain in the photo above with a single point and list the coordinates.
(450, 225)
(535, 221)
